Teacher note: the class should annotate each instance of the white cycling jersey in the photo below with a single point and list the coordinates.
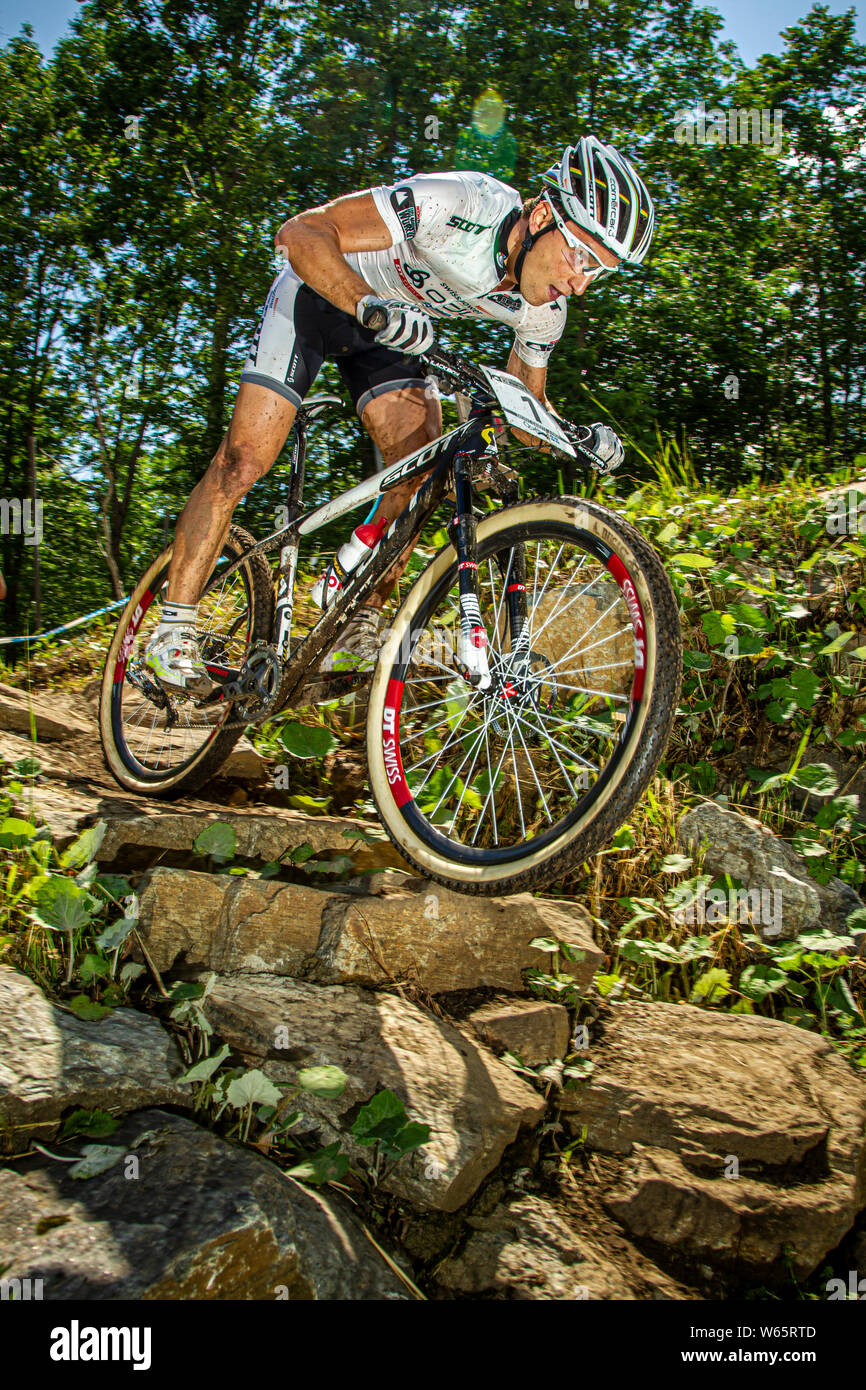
(449, 248)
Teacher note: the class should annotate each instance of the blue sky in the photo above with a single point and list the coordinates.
(754, 25)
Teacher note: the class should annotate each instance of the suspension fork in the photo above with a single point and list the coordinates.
(512, 567)
(472, 642)
(289, 552)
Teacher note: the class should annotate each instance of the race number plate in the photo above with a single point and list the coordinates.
(522, 409)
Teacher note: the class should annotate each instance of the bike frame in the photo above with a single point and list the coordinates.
(451, 461)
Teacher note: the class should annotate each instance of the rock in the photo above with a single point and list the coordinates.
(683, 1092)
(223, 923)
(91, 691)
(260, 836)
(345, 774)
(196, 921)
(51, 1061)
(53, 716)
(244, 764)
(532, 1029)
(473, 1104)
(201, 1219)
(747, 850)
(850, 774)
(446, 941)
(527, 1250)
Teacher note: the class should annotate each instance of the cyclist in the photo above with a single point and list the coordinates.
(446, 245)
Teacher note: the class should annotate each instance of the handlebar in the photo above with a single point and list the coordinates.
(465, 376)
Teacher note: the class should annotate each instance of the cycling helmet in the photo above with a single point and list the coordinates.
(600, 191)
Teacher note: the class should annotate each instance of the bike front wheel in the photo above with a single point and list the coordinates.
(506, 789)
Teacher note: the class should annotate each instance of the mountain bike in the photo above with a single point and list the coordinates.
(524, 692)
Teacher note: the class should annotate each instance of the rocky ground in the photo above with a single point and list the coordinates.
(702, 1155)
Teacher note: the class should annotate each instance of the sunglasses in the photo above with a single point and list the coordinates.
(582, 257)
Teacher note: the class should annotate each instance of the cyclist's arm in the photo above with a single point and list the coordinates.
(317, 240)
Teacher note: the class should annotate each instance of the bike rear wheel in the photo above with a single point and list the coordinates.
(170, 746)
(507, 789)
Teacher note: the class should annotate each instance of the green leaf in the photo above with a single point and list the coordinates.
(204, 1070)
(647, 949)
(85, 1008)
(545, 943)
(313, 805)
(749, 616)
(96, 1159)
(830, 941)
(61, 905)
(697, 661)
(817, 778)
(328, 1165)
(837, 644)
(96, 1124)
(675, 863)
(717, 627)
(809, 846)
(340, 864)
(186, 989)
(82, 850)
(357, 832)
(623, 839)
(380, 1119)
(253, 1088)
(93, 967)
(217, 840)
(27, 767)
(114, 885)
(713, 985)
(410, 1137)
(307, 741)
(757, 981)
(113, 937)
(323, 1081)
(689, 560)
(15, 833)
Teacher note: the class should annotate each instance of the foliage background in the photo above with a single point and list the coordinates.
(135, 269)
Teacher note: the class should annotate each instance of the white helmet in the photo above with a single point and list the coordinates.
(600, 191)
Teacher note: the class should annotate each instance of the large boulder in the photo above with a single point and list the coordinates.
(259, 836)
(474, 1105)
(51, 1061)
(744, 1135)
(527, 1249)
(534, 1030)
(183, 1215)
(420, 932)
(56, 718)
(749, 851)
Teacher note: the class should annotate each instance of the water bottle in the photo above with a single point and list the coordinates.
(362, 541)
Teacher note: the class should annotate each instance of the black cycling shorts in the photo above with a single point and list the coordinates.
(299, 329)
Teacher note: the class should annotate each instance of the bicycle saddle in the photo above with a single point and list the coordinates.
(316, 405)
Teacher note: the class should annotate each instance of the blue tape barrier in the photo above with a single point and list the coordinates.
(76, 622)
